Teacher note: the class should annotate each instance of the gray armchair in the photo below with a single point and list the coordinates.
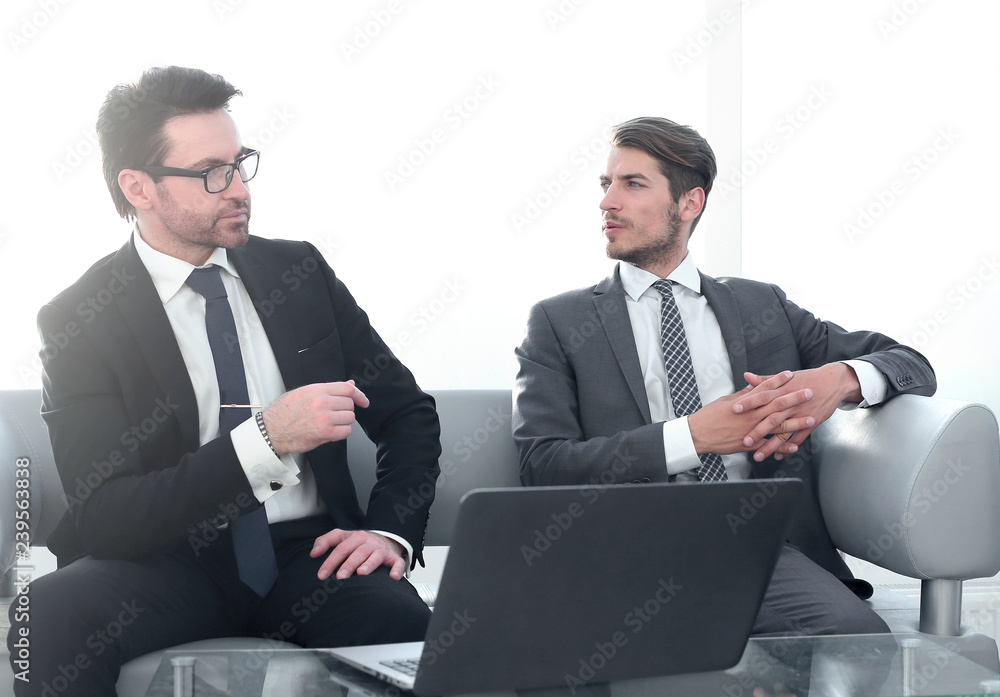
(913, 486)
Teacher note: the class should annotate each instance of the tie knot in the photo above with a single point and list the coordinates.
(207, 282)
(665, 287)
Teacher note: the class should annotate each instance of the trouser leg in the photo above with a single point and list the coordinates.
(88, 618)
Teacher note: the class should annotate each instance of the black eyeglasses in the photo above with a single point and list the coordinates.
(216, 178)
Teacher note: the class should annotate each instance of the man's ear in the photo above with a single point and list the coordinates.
(691, 204)
(138, 188)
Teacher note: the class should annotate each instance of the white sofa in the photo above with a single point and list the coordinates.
(913, 486)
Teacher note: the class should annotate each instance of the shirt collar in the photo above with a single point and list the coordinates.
(169, 273)
(637, 281)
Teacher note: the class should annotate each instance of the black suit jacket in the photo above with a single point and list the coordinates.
(581, 414)
(123, 420)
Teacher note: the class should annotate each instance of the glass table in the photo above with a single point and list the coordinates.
(870, 665)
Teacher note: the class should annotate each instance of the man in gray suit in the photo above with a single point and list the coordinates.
(596, 400)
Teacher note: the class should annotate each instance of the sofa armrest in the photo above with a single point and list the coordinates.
(914, 486)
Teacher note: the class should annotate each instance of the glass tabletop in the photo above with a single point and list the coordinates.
(866, 666)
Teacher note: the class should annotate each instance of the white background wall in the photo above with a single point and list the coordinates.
(877, 208)
(840, 109)
(445, 248)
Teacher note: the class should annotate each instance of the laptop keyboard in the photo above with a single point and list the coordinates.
(408, 665)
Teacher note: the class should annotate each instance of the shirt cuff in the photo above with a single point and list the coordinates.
(678, 446)
(264, 469)
(873, 384)
(406, 546)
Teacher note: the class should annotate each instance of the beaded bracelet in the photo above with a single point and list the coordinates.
(263, 431)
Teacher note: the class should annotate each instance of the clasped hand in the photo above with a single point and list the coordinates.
(787, 407)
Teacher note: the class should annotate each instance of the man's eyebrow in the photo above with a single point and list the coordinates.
(207, 162)
(627, 177)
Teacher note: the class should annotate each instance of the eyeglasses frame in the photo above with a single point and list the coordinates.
(160, 171)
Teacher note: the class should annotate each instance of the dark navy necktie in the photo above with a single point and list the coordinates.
(251, 535)
(684, 395)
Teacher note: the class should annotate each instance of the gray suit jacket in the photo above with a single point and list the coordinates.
(581, 414)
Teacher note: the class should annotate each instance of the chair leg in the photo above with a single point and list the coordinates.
(940, 607)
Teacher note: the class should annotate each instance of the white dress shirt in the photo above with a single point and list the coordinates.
(709, 357)
(298, 497)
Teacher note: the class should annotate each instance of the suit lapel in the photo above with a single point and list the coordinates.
(610, 308)
(721, 299)
(261, 281)
(142, 311)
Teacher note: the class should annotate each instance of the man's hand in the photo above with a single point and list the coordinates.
(358, 551)
(830, 385)
(306, 418)
(719, 428)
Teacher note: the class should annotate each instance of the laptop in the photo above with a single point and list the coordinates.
(576, 585)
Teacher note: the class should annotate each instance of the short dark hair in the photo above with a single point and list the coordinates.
(686, 159)
(130, 123)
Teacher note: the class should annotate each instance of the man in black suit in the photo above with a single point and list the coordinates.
(595, 398)
(140, 399)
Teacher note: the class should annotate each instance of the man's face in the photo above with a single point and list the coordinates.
(642, 223)
(188, 221)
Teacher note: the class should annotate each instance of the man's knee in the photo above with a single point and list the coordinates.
(860, 619)
(359, 610)
(55, 647)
